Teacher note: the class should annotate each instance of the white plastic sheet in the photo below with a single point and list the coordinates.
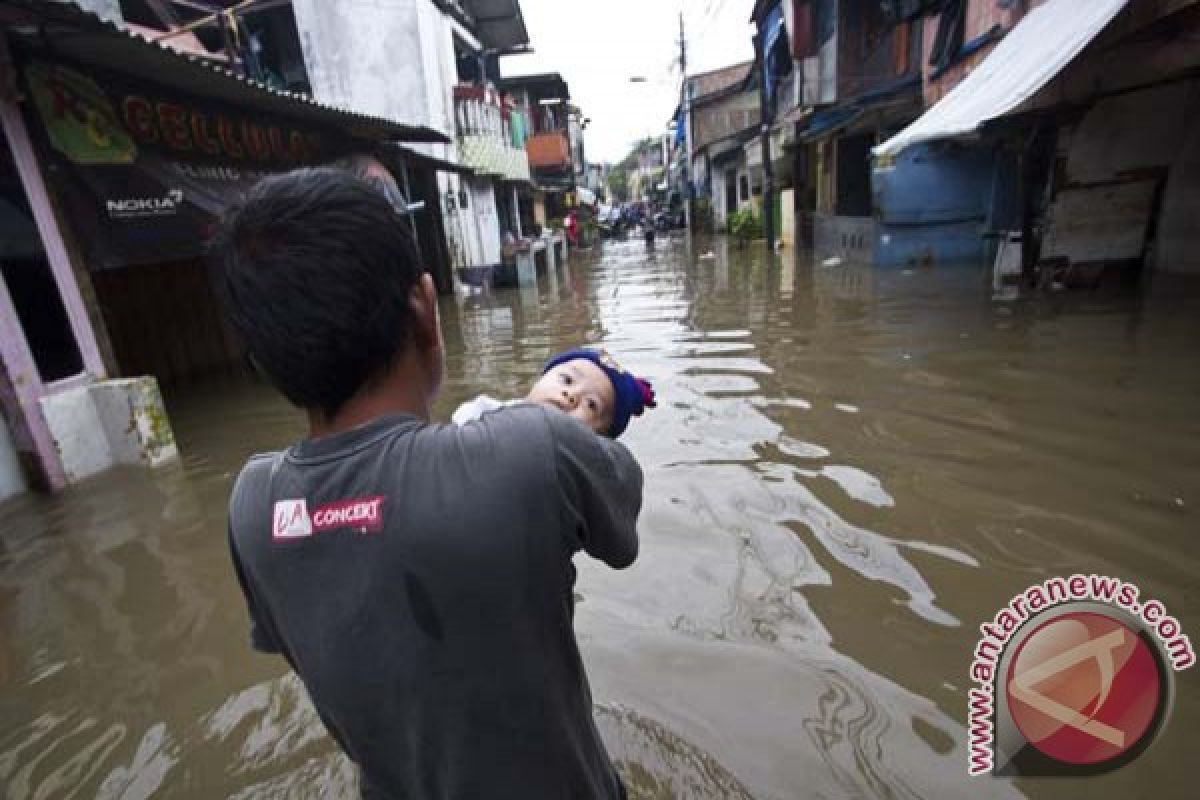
(1024, 61)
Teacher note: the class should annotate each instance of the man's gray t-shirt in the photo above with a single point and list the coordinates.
(418, 579)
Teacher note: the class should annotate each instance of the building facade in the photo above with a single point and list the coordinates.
(554, 145)
(923, 131)
(117, 154)
(431, 63)
(839, 76)
(725, 116)
(1066, 133)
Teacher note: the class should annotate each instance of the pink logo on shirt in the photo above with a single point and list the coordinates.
(293, 521)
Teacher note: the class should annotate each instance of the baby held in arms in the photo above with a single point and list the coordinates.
(584, 383)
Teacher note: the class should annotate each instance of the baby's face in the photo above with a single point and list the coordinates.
(579, 388)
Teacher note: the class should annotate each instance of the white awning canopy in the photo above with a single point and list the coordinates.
(1024, 61)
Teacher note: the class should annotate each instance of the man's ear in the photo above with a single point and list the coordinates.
(427, 329)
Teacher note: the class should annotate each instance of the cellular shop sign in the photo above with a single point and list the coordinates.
(143, 170)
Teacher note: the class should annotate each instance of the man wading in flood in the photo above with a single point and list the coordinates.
(417, 577)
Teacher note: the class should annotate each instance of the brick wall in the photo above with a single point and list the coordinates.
(717, 120)
(981, 16)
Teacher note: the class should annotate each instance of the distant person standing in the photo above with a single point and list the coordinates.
(572, 227)
(417, 577)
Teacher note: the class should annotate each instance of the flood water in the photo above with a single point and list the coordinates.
(848, 471)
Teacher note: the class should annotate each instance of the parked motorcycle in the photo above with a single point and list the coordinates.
(610, 223)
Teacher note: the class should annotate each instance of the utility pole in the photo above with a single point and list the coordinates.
(686, 101)
(765, 139)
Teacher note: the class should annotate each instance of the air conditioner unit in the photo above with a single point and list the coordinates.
(811, 90)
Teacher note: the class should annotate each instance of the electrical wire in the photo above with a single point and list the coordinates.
(228, 13)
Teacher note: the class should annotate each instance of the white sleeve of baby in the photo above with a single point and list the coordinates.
(474, 409)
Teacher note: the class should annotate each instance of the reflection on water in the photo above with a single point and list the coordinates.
(848, 470)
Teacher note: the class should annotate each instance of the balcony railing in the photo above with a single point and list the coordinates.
(491, 135)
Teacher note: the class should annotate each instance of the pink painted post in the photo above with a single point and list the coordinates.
(21, 396)
(30, 172)
(24, 387)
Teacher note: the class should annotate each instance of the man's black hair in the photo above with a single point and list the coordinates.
(315, 270)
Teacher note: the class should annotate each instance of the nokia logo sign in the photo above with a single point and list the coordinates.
(136, 207)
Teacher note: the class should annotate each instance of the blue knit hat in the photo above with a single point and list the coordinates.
(631, 394)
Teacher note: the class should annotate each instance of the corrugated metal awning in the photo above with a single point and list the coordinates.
(1024, 61)
(418, 159)
(71, 33)
(826, 123)
(500, 23)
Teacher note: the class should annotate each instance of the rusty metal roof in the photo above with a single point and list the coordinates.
(431, 162)
(66, 31)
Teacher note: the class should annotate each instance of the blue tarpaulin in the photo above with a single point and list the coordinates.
(773, 27)
(888, 90)
(825, 122)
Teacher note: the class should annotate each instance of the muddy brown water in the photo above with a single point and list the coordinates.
(848, 471)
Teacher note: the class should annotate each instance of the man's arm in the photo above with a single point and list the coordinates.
(262, 636)
(253, 481)
(601, 485)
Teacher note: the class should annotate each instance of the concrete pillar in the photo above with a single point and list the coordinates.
(517, 213)
(526, 267)
(109, 423)
(552, 278)
(539, 208)
(787, 235)
(12, 478)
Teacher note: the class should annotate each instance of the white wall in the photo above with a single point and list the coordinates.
(483, 204)
(396, 60)
(366, 57)
(108, 9)
(699, 174)
(436, 31)
(720, 218)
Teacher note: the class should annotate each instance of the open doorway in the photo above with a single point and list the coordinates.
(30, 282)
(854, 175)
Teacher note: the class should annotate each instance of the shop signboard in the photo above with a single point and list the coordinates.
(143, 171)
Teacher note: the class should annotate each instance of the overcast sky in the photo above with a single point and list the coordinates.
(598, 46)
